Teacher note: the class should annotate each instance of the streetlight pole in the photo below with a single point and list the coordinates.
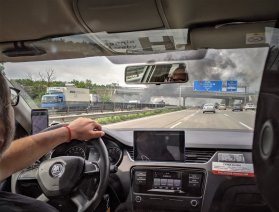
(179, 95)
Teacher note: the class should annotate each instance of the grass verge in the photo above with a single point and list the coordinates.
(119, 118)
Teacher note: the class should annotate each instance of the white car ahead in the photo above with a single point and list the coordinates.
(208, 108)
(222, 107)
(250, 106)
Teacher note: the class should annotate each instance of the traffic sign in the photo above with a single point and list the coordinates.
(231, 85)
(209, 86)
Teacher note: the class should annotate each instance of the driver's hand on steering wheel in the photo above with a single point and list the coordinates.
(85, 129)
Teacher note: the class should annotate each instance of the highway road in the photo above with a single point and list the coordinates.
(224, 119)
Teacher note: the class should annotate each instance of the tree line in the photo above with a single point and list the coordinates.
(37, 88)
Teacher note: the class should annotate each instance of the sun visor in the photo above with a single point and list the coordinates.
(234, 35)
(101, 44)
(191, 13)
(119, 16)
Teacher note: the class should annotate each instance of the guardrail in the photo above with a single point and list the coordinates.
(107, 106)
(69, 118)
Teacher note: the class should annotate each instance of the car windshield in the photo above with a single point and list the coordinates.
(94, 86)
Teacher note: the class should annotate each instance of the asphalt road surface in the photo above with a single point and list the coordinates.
(222, 119)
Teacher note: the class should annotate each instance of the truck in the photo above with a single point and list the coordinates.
(66, 98)
(94, 98)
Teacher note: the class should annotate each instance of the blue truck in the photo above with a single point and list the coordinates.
(66, 98)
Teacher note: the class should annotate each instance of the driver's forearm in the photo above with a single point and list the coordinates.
(24, 152)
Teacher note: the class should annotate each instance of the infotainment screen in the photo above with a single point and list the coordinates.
(159, 145)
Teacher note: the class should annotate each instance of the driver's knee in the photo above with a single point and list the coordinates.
(10, 202)
(123, 207)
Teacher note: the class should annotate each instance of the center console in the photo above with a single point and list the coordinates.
(166, 189)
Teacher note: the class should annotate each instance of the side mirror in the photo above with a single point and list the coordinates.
(14, 96)
(156, 74)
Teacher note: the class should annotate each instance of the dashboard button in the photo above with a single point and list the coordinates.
(140, 178)
(138, 199)
(140, 174)
(177, 183)
(163, 182)
(195, 180)
(156, 182)
(140, 181)
(170, 182)
(194, 203)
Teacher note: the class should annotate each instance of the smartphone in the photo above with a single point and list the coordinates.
(39, 120)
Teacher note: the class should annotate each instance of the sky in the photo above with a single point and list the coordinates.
(244, 65)
(98, 69)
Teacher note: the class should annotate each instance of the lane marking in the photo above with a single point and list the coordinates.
(173, 126)
(141, 119)
(185, 119)
(241, 123)
(244, 125)
(190, 116)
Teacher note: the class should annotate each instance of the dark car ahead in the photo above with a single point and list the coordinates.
(237, 107)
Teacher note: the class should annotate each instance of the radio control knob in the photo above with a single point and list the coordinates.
(194, 203)
(138, 199)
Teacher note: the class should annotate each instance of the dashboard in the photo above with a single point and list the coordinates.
(215, 174)
(176, 170)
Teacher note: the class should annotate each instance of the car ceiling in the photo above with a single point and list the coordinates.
(29, 20)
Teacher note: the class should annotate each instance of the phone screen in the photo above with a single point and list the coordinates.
(39, 119)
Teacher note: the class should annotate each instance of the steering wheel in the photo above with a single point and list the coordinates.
(61, 176)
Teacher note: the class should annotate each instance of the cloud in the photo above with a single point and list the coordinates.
(244, 65)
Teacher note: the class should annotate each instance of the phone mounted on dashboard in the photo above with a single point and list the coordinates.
(39, 120)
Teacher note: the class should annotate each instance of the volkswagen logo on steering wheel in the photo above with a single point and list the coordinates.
(57, 170)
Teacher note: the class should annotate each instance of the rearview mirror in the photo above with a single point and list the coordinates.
(156, 74)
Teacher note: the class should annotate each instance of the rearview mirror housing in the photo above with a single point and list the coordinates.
(165, 73)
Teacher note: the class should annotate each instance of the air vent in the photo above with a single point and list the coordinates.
(198, 155)
(130, 150)
(191, 155)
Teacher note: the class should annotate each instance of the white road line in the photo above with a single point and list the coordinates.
(173, 126)
(244, 125)
(185, 119)
(191, 115)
